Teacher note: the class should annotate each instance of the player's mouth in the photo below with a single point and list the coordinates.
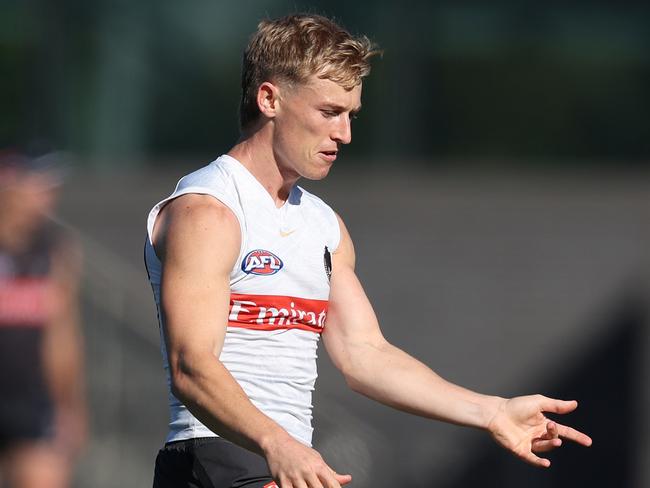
(328, 156)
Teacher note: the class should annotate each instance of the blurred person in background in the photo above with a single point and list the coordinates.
(42, 404)
(246, 265)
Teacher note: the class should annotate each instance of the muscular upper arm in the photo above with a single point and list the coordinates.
(351, 321)
(197, 239)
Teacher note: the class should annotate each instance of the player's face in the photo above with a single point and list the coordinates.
(312, 121)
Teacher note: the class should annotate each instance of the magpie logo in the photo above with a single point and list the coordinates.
(327, 261)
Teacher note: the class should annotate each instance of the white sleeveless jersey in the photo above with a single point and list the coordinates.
(279, 291)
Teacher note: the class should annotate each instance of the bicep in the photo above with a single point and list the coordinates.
(198, 243)
(351, 321)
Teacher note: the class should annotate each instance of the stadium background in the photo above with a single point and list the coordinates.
(497, 190)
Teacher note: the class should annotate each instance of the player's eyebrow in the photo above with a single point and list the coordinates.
(340, 108)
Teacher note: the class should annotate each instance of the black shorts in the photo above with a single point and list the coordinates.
(210, 462)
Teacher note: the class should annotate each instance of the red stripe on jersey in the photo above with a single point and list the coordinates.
(25, 302)
(273, 312)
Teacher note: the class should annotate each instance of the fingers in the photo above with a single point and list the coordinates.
(335, 480)
(329, 483)
(295, 465)
(343, 479)
(531, 458)
(574, 435)
(548, 441)
(285, 482)
(551, 431)
(562, 407)
(329, 479)
(313, 481)
(545, 445)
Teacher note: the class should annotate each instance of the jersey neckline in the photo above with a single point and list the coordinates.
(267, 196)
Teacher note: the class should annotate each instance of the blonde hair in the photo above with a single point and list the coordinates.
(293, 48)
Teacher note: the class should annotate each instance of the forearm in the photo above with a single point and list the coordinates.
(389, 375)
(212, 395)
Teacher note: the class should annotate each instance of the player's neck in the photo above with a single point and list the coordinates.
(255, 152)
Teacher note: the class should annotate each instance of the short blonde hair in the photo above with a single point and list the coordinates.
(292, 48)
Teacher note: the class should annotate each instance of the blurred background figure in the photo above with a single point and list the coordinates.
(42, 407)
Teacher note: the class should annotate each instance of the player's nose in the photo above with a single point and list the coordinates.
(343, 131)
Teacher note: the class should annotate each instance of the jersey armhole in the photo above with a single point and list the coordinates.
(336, 234)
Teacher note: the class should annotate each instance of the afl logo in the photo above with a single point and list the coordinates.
(261, 262)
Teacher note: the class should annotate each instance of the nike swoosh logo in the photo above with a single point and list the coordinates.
(286, 234)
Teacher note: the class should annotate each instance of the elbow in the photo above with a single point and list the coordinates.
(354, 383)
(345, 364)
(363, 367)
(354, 377)
(183, 375)
(362, 382)
(178, 383)
(193, 371)
(176, 387)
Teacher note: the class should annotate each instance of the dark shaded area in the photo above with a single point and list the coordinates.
(605, 383)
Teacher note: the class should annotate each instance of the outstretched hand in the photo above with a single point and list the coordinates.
(521, 427)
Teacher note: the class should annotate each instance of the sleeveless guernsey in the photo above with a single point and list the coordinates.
(279, 290)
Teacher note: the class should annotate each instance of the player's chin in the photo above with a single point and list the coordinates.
(318, 171)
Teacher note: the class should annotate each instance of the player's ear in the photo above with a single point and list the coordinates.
(267, 99)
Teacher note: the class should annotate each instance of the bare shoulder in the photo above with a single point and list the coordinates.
(195, 209)
(191, 219)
